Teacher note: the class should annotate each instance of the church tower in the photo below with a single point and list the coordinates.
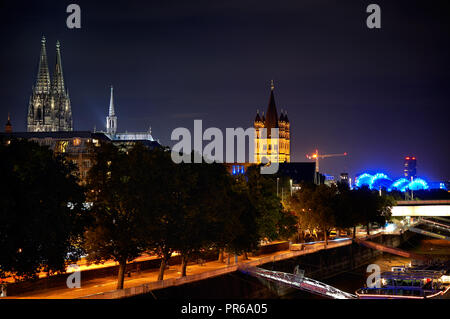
(8, 126)
(111, 119)
(275, 149)
(49, 107)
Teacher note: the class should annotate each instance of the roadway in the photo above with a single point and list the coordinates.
(106, 284)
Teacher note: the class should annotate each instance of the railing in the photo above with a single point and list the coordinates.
(299, 281)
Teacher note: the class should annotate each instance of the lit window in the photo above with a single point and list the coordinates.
(76, 141)
(61, 146)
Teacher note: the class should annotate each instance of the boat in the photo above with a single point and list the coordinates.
(408, 283)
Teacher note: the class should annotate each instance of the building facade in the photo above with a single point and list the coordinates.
(409, 167)
(273, 148)
(49, 108)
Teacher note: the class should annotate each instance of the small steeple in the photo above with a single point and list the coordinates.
(8, 126)
(111, 119)
(257, 118)
(111, 103)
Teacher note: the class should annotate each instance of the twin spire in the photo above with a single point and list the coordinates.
(43, 78)
(49, 106)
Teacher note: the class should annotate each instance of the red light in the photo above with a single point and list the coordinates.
(413, 158)
(407, 158)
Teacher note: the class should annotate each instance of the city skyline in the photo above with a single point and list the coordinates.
(346, 88)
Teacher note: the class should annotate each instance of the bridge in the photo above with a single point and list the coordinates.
(421, 208)
(299, 281)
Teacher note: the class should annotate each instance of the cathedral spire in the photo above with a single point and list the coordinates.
(111, 119)
(43, 78)
(58, 79)
(111, 104)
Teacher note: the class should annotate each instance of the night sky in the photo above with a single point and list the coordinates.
(377, 94)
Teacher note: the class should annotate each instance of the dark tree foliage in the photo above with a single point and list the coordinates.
(39, 230)
(117, 185)
(327, 207)
(203, 215)
(273, 221)
(371, 207)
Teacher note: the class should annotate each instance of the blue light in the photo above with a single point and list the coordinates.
(381, 180)
(399, 184)
(381, 177)
(417, 184)
(363, 179)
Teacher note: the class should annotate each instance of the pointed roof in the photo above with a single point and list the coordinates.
(286, 117)
(111, 104)
(43, 77)
(271, 120)
(282, 118)
(257, 118)
(58, 79)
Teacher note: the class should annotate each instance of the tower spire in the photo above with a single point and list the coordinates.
(111, 119)
(58, 79)
(8, 126)
(111, 104)
(43, 77)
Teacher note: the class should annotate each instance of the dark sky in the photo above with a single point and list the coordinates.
(377, 94)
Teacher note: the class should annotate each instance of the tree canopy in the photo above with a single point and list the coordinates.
(41, 211)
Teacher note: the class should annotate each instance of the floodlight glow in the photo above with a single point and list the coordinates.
(417, 184)
(376, 177)
(363, 179)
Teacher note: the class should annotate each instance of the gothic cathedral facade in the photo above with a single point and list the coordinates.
(49, 107)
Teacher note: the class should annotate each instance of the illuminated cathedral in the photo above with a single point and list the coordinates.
(49, 109)
(275, 149)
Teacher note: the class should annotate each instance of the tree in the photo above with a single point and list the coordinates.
(117, 186)
(41, 211)
(371, 207)
(347, 215)
(273, 221)
(316, 207)
(298, 205)
(207, 188)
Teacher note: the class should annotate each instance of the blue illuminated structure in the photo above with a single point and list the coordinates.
(416, 184)
(363, 179)
(379, 180)
(382, 181)
(238, 170)
(399, 184)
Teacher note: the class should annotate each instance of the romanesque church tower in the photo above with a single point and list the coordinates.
(49, 108)
(268, 146)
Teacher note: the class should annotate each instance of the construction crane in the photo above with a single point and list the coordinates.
(316, 157)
